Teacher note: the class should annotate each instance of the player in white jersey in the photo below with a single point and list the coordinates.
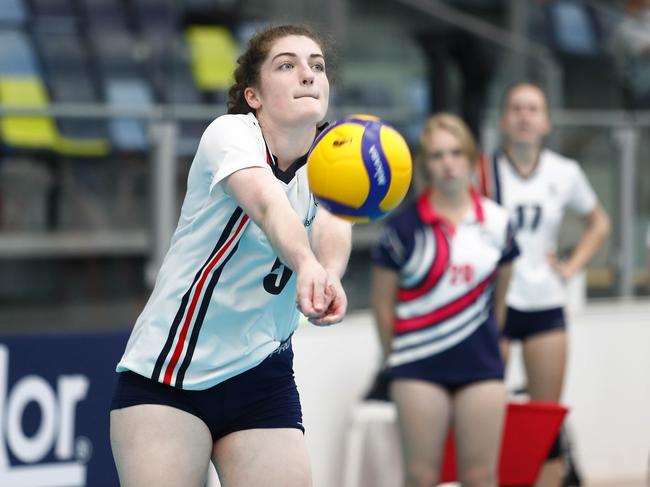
(207, 373)
(436, 268)
(537, 186)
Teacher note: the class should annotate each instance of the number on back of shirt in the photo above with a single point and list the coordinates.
(528, 217)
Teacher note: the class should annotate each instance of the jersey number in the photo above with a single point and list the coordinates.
(461, 273)
(275, 280)
(528, 216)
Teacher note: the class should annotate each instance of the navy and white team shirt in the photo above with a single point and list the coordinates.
(537, 204)
(444, 306)
(222, 301)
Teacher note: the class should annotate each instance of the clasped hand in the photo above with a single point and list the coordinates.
(320, 296)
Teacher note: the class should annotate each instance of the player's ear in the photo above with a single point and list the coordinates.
(251, 97)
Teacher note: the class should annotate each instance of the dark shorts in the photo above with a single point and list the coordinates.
(477, 358)
(262, 397)
(523, 324)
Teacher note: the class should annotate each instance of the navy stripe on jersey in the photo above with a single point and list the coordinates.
(511, 249)
(181, 310)
(194, 338)
(495, 177)
(439, 266)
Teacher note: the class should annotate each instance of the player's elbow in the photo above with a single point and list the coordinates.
(604, 225)
(599, 224)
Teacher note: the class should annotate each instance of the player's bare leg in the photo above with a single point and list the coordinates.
(424, 414)
(545, 360)
(479, 412)
(269, 457)
(159, 445)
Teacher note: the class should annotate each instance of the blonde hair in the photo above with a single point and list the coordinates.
(455, 126)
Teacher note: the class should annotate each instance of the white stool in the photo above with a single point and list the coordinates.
(363, 415)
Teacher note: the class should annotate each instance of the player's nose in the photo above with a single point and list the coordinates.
(306, 76)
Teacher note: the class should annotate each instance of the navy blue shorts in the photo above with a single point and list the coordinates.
(523, 324)
(262, 397)
(477, 358)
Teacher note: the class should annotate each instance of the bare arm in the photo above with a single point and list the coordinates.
(258, 193)
(503, 281)
(596, 231)
(385, 284)
(331, 240)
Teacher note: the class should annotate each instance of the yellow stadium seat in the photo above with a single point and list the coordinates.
(214, 56)
(38, 131)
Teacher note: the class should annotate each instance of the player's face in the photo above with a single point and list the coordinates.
(525, 117)
(294, 88)
(446, 163)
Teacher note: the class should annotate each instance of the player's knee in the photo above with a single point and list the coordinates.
(478, 475)
(421, 475)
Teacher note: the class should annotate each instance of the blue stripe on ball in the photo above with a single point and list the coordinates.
(377, 168)
(344, 210)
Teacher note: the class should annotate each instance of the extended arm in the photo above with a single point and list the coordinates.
(331, 241)
(256, 190)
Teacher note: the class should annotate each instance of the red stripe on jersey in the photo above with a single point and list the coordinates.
(478, 205)
(197, 292)
(486, 176)
(440, 263)
(445, 312)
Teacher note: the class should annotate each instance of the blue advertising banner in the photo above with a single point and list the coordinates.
(55, 394)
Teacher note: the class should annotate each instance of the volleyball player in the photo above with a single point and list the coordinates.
(440, 274)
(207, 372)
(538, 186)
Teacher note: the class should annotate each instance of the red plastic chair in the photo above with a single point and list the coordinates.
(529, 432)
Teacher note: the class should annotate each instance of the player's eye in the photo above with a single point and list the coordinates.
(320, 67)
(440, 154)
(286, 66)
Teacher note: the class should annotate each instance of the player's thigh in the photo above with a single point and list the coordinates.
(272, 457)
(545, 360)
(479, 412)
(424, 411)
(159, 445)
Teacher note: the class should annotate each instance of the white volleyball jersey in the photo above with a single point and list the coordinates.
(537, 204)
(222, 301)
(446, 274)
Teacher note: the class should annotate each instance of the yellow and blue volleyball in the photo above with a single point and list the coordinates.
(359, 168)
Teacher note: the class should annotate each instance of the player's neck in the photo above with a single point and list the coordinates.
(287, 144)
(524, 157)
(452, 205)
